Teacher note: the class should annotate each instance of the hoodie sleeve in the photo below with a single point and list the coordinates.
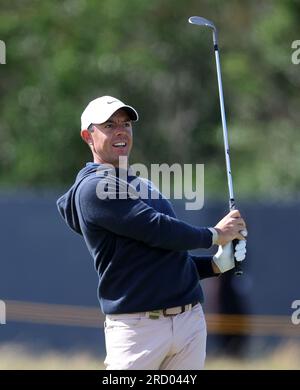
(133, 218)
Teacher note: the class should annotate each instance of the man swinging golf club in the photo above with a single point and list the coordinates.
(149, 285)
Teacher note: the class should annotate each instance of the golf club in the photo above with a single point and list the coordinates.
(207, 23)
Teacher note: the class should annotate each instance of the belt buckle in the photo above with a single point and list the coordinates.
(172, 314)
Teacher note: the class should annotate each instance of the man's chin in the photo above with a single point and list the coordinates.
(121, 161)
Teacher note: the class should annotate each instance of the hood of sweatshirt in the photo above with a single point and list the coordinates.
(66, 203)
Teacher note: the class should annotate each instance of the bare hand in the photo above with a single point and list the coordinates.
(230, 228)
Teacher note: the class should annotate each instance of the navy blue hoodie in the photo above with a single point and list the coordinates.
(138, 245)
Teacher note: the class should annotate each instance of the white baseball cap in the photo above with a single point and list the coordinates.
(101, 109)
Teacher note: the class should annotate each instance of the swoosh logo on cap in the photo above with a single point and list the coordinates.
(111, 102)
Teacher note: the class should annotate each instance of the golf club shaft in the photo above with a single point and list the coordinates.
(238, 269)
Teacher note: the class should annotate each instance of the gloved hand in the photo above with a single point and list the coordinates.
(224, 259)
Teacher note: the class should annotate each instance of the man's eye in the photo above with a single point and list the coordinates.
(127, 124)
(108, 125)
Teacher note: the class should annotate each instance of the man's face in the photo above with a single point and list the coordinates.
(112, 138)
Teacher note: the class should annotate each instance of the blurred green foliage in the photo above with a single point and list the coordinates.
(62, 54)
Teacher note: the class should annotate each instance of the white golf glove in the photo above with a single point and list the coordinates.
(224, 259)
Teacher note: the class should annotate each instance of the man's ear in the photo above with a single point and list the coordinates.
(86, 136)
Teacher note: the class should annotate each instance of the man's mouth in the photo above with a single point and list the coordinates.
(121, 144)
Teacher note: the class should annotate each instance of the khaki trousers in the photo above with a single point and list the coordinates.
(136, 342)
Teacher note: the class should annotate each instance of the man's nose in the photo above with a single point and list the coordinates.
(120, 128)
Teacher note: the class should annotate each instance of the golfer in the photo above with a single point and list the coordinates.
(149, 285)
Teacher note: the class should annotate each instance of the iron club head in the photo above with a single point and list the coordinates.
(199, 21)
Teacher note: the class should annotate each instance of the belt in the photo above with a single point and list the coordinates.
(171, 311)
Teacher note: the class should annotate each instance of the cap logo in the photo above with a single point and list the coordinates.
(111, 102)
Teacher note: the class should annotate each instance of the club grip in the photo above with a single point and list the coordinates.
(237, 264)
